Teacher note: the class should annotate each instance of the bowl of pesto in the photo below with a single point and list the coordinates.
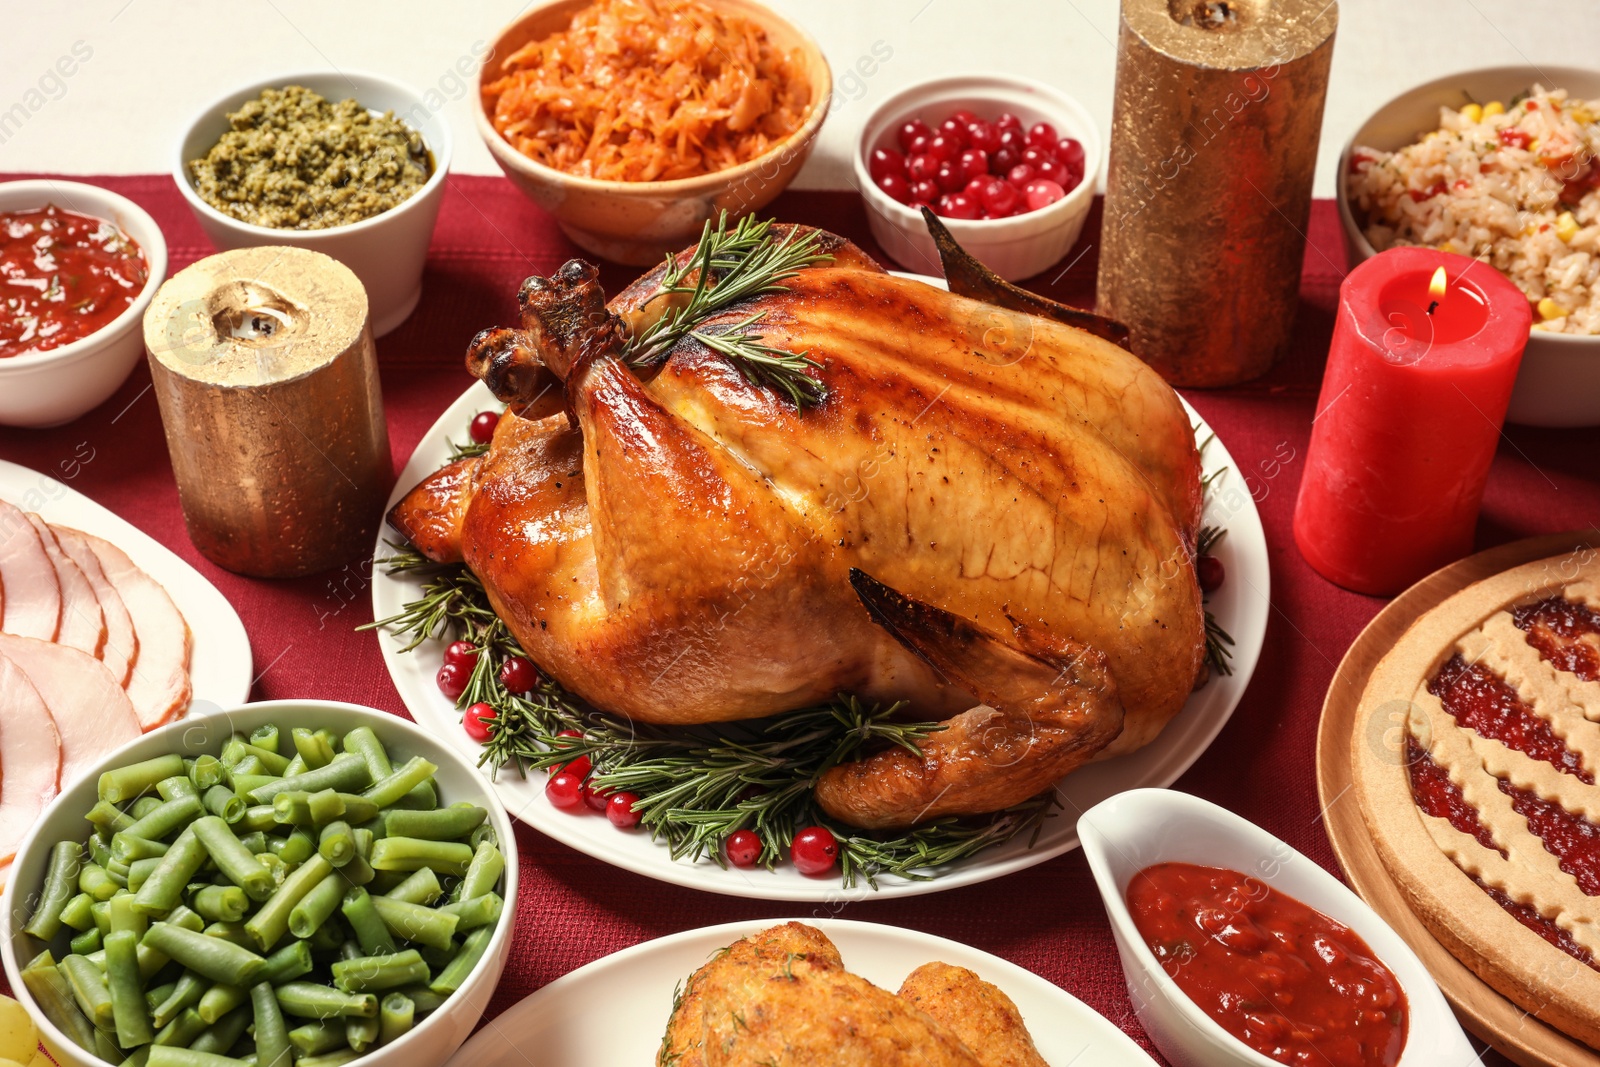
(351, 165)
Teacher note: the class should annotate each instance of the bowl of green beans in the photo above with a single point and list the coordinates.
(288, 884)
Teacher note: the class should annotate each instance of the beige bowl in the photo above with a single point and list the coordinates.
(639, 222)
(1559, 383)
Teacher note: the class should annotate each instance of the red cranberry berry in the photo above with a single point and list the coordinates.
(565, 789)
(910, 131)
(464, 653)
(452, 680)
(519, 675)
(949, 177)
(922, 168)
(476, 721)
(1042, 135)
(595, 798)
(1042, 193)
(896, 186)
(1007, 121)
(619, 809)
(1069, 151)
(983, 136)
(959, 206)
(885, 161)
(1000, 198)
(1211, 573)
(814, 851)
(974, 163)
(743, 848)
(482, 427)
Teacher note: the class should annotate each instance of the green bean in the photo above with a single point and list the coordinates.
(60, 886)
(163, 890)
(134, 779)
(271, 920)
(129, 1015)
(361, 1033)
(209, 957)
(387, 881)
(161, 820)
(156, 995)
(100, 911)
(336, 844)
(311, 1001)
(221, 903)
(144, 806)
(265, 737)
(288, 963)
(296, 808)
(235, 861)
(294, 849)
(172, 1056)
(415, 771)
(52, 992)
(413, 853)
(363, 918)
(139, 871)
(270, 762)
(317, 905)
(297, 766)
(483, 874)
(316, 1037)
(396, 1016)
(206, 771)
(472, 949)
(420, 887)
(425, 999)
(125, 848)
(254, 841)
(328, 937)
(422, 797)
(186, 993)
(259, 817)
(87, 942)
(233, 933)
(117, 871)
(346, 774)
(245, 785)
(76, 912)
(367, 974)
(181, 1031)
(412, 922)
(100, 850)
(219, 1000)
(223, 1034)
(364, 743)
(107, 815)
(274, 866)
(483, 835)
(441, 824)
(336, 1058)
(479, 911)
(89, 990)
(272, 1034)
(93, 879)
(312, 747)
(105, 1047)
(245, 767)
(220, 800)
(126, 915)
(179, 785)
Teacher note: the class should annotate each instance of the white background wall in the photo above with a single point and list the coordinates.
(154, 63)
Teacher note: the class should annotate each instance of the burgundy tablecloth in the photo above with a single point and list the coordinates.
(574, 909)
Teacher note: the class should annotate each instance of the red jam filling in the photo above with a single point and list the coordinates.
(1438, 796)
(63, 276)
(1556, 627)
(1282, 977)
(1490, 708)
(1572, 839)
(1539, 925)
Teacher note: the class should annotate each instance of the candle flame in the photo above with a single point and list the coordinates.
(1436, 287)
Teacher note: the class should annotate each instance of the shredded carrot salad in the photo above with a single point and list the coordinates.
(648, 90)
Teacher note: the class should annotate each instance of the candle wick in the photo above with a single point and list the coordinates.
(1432, 306)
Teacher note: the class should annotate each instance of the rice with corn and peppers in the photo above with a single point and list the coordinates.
(1516, 186)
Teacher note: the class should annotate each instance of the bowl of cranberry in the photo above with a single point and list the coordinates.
(1009, 164)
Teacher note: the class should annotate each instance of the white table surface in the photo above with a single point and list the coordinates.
(152, 64)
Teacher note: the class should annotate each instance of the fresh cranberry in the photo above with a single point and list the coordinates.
(945, 148)
(619, 809)
(1034, 156)
(922, 168)
(1013, 139)
(452, 680)
(1020, 175)
(482, 427)
(896, 187)
(885, 161)
(1042, 135)
(974, 163)
(1072, 180)
(1042, 193)
(814, 851)
(983, 135)
(924, 192)
(476, 720)
(595, 798)
(949, 177)
(1003, 159)
(464, 653)
(974, 186)
(519, 675)
(954, 129)
(1069, 150)
(919, 145)
(743, 848)
(964, 117)
(910, 131)
(565, 789)
(1051, 170)
(1000, 198)
(1007, 121)
(1211, 573)
(960, 206)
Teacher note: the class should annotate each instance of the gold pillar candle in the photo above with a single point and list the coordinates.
(265, 370)
(1213, 145)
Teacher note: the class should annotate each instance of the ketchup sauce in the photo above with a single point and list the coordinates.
(63, 276)
(1282, 977)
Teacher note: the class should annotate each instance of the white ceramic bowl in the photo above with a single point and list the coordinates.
(50, 388)
(1559, 383)
(434, 1039)
(1016, 247)
(1131, 831)
(386, 251)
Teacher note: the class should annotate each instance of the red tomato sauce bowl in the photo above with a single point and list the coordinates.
(75, 284)
(1213, 914)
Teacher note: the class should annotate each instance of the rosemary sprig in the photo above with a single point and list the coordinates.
(731, 265)
(1219, 643)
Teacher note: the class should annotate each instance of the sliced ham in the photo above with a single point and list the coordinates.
(121, 645)
(159, 684)
(30, 757)
(83, 623)
(33, 599)
(92, 714)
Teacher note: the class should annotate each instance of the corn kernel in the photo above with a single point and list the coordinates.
(1582, 115)
(1549, 309)
(1493, 107)
(1566, 227)
(1472, 113)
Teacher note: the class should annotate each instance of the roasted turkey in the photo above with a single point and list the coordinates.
(994, 505)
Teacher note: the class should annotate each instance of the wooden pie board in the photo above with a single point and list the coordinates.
(1482, 1010)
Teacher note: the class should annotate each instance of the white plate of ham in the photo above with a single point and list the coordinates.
(104, 635)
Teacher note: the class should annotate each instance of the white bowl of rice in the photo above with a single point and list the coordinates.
(1501, 164)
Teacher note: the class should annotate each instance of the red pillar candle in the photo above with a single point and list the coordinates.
(1410, 413)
